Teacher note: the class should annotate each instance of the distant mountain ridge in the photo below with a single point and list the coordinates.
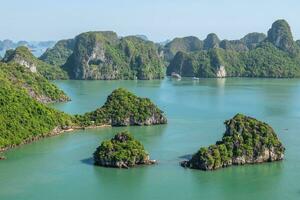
(192, 44)
(36, 47)
(106, 56)
(276, 55)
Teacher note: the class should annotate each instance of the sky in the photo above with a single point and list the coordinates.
(159, 20)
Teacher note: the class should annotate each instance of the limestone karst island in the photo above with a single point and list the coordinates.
(143, 100)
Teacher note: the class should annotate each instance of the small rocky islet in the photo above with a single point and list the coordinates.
(245, 141)
(123, 108)
(122, 151)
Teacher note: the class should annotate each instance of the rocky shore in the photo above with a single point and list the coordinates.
(245, 141)
(122, 151)
(56, 131)
(123, 108)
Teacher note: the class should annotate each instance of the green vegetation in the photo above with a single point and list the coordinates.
(59, 54)
(251, 40)
(211, 41)
(280, 35)
(233, 45)
(102, 55)
(186, 44)
(122, 151)
(255, 55)
(246, 140)
(123, 108)
(23, 56)
(35, 85)
(192, 44)
(265, 60)
(23, 119)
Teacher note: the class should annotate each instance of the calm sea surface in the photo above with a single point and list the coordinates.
(60, 167)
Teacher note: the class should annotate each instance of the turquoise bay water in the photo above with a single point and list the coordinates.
(60, 167)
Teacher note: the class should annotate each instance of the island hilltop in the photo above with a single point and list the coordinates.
(122, 108)
(245, 141)
(26, 120)
(122, 151)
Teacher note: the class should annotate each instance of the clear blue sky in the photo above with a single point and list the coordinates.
(158, 19)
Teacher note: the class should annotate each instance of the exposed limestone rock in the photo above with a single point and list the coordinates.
(122, 108)
(211, 41)
(245, 141)
(105, 56)
(221, 73)
(122, 151)
(280, 35)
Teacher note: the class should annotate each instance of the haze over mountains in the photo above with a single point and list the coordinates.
(36, 47)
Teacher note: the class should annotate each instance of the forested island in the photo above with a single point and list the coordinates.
(25, 118)
(275, 55)
(23, 74)
(122, 151)
(245, 141)
(103, 55)
(122, 108)
(26, 86)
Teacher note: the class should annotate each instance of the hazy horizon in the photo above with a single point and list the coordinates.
(44, 20)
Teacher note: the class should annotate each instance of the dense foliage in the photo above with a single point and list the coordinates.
(121, 151)
(193, 44)
(246, 140)
(59, 54)
(280, 35)
(23, 119)
(185, 44)
(122, 108)
(102, 55)
(211, 41)
(251, 40)
(35, 85)
(23, 56)
(265, 60)
(276, 56)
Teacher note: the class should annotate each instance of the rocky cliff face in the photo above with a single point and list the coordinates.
(122, 151)
(181, 64)
(233, 45)
(21, 56)
(59, 54)
(185, 44)
(211, 41)
(253, 56)
(221, 72)
(102, 55)
(23, 69)
(281, 36)
(251, 40)
(245, 141)
(122, 108)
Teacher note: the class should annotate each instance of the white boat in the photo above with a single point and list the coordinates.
(195, 78)
(175, 75)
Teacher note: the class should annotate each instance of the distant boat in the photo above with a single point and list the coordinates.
(195, 78)
(175, 75)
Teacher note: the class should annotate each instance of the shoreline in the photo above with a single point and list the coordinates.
(55, 132)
